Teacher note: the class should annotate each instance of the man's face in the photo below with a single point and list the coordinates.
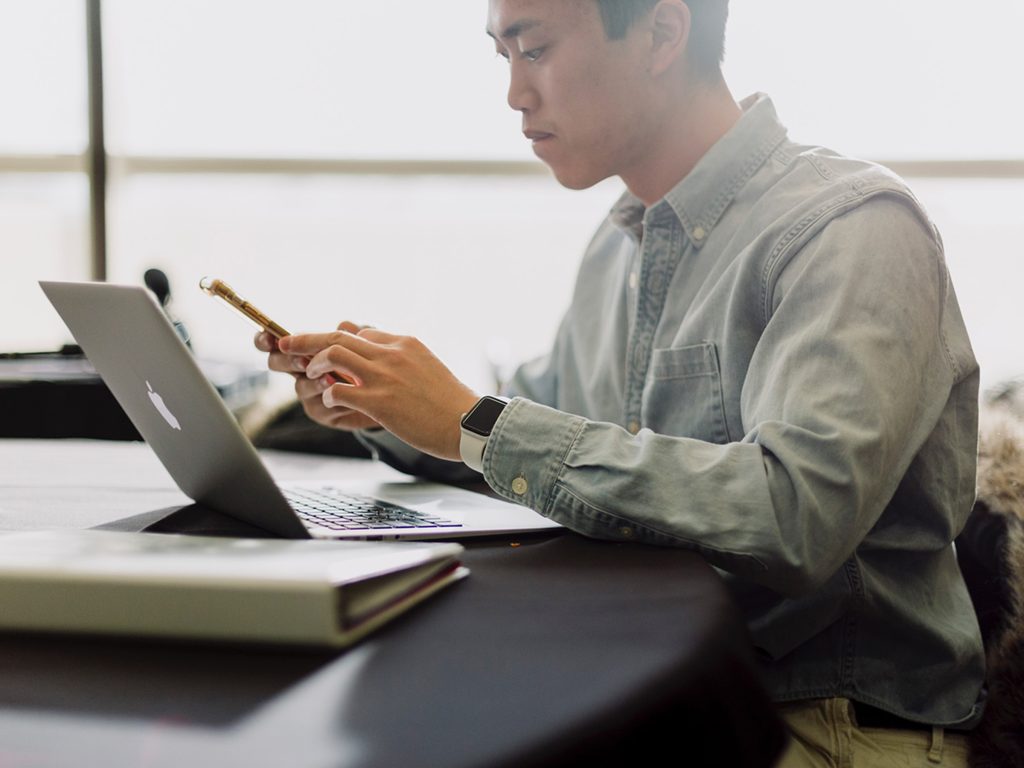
(583, 97)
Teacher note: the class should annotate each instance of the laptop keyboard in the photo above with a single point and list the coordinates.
(350, 512)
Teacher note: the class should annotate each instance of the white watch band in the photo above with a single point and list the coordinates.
(471, 448)
(477, 424)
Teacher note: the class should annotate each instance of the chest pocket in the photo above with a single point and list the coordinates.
(683, 394)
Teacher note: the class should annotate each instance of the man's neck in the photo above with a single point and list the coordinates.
(684, 133)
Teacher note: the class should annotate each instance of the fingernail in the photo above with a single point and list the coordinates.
(285, 343)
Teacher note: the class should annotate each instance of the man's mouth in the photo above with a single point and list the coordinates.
(537, 136)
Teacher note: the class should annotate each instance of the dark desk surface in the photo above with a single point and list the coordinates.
(557, 649)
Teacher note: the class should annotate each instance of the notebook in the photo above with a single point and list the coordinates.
(213, 588)
(155, 378)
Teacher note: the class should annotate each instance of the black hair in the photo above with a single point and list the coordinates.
(707, 34)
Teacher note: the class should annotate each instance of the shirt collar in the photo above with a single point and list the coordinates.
(699, 200)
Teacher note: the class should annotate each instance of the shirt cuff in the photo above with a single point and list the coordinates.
(526, 451)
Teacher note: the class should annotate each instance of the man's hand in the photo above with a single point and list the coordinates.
(396, 382)
(310, 391)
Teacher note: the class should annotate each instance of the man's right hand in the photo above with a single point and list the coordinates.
(310, 391)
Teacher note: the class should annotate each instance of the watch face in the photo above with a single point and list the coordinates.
(481, 419)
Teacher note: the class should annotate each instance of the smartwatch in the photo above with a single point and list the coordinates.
(476, 428)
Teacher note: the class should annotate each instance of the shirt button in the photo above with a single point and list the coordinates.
(632, 280)
(519, 486)
(626, 531)
(634, 427)
(699, 233)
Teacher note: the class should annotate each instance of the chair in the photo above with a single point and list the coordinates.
(991, 554)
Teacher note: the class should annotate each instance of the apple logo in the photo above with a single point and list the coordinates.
(162, 407)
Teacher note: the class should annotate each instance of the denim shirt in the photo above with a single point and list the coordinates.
(769, 366)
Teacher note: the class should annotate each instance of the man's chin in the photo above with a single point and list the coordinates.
(575, 179)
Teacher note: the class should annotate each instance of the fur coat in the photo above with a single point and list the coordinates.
(998, 742)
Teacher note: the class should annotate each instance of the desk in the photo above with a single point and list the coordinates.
(557, 650)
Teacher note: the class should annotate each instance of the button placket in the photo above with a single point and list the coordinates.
(658, 260)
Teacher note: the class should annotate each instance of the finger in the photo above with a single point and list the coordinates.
(348, 325)
(344, 396)
(265, 342)
(310, 394)
(278, 361)
(337, 359)
(328, 417)
(312, 389)
(376, 335)
(336, 417)
(307, 343)
(312, 344)
(300, 364)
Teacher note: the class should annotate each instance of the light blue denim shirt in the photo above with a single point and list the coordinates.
(769, 366)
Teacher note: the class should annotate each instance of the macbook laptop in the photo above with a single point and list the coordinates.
(154, 376)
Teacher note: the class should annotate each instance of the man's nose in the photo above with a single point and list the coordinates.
(522, 96)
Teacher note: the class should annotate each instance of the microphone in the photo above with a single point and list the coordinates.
(156, 280)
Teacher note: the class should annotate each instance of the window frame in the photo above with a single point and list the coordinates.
(100, 166)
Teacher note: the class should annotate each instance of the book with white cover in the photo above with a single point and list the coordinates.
(212, 588)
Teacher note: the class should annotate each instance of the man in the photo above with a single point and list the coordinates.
(763, 361)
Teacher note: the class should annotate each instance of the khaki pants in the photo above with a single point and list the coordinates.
(824, 734)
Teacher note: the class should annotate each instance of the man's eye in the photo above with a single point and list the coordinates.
(533, 54)
(502, 54)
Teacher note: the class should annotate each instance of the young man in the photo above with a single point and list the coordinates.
(763, 361)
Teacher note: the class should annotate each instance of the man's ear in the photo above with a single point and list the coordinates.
(670, 27)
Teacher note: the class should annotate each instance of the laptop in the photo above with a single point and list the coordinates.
(154, 376)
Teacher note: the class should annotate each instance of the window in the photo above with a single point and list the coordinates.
(43, 192)
(357, 159)
(906, 80)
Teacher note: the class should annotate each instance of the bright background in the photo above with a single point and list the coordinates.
(385, 80)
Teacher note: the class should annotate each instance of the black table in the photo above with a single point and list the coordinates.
(557, 650)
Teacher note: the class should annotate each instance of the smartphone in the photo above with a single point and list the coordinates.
(221, 290)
